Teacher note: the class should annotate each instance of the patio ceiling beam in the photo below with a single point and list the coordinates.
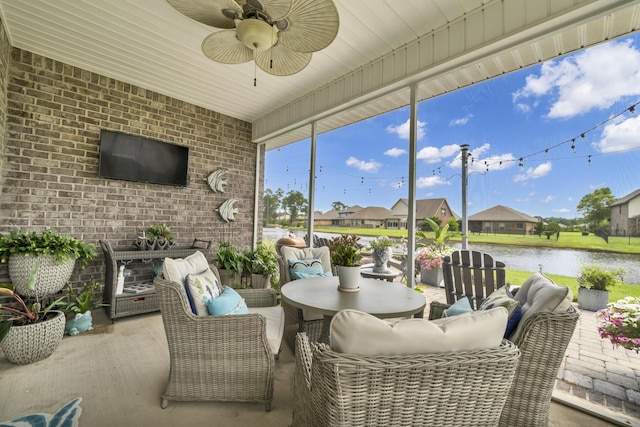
(523, 31)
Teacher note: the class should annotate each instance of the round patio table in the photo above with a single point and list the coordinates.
(383, 300)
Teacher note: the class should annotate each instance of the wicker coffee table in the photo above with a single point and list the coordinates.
(383, 300)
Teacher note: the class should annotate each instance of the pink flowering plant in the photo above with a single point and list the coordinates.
(620, 323)
(432, 256)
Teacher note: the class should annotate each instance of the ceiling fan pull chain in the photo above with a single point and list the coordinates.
(255, 71)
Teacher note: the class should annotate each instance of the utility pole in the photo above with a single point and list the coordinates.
(465, 226)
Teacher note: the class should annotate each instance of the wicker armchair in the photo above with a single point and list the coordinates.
(451, 389)
(542, 339)
(295, 320)
(216, 358)
(543, 343)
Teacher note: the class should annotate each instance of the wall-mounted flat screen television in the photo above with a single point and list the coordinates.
(135, 158)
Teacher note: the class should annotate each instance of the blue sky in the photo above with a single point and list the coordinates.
(538, 109)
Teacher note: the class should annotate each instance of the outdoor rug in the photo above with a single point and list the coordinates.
(67, 416)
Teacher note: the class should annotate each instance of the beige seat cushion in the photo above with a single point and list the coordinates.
(275, 325)
(538, 294)
(355, 332)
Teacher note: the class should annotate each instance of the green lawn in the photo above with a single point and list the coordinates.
(567, 240)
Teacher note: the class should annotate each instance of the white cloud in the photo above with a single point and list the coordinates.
(596, 186)
(534, 173)
(361, 165)
(532, 194)
(431, 181)
(547, 200)
(402, 131)
(437, 155)
(524, 200)
(580, 83)
(624, 135)
(562, 211)
(395, 152)
(461, 121)
(478, 162)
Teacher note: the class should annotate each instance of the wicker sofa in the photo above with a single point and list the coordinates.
(218, 358)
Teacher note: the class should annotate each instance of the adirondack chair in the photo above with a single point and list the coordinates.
(472, 274)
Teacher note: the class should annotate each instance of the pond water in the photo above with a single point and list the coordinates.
(565, 262)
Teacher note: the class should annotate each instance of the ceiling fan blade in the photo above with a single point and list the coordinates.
(282, 61)
(313, 25)
(224, 47)
(209, 12)
(277, 9)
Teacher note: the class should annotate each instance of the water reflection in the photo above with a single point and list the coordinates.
(565, 262)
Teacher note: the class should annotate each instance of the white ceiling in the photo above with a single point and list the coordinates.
(149, 44)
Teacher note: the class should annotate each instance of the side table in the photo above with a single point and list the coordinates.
(369, 273)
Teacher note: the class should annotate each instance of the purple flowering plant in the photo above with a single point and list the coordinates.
(432, 256)
(620, 323)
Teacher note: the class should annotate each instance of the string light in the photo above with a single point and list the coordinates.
(589, 161)
(521, 163)
(573, 145)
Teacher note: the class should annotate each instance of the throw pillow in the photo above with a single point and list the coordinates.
(459, 307)
(176, 270)
(500, 298)
(229, 302)
(360, 333)
(202, 285)
(513, 322)
(306, 268)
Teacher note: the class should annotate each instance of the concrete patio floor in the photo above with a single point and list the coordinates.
(121, 369)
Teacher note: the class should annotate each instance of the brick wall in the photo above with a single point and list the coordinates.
(50, 160)
(5, 58)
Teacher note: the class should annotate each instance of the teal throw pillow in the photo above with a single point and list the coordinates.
(459, 307)
(306, 269)
(229, 302)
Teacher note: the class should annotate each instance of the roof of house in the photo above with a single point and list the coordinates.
(502, 213)
(627, 198)
(428, 207)
(371, 213)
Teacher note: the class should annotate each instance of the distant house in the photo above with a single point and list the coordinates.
(355, 216)
(502, 220)
(424, 208)
(625, 215)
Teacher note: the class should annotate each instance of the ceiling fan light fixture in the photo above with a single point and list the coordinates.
(256, 34)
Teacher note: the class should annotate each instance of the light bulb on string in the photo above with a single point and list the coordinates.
(521, 163)
(589, 160)
(287, 169)
(320, 168)
(369, 191)
(546, 152)
(573, 145)
(362, 180)
(632, 109)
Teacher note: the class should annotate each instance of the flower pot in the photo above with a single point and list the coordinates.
(433, 277)
(50, 277)
(81, 322)
(225, 277)
(349, 278)
(30, 343)
(381, 257)
(258, 281)
(592, 299)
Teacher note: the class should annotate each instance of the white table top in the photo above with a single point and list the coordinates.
(381, 299)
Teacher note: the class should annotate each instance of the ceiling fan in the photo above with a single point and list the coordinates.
(279, 35)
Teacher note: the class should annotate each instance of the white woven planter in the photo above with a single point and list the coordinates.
(50, 278)
(30, 343)
(258, 281)
(592, 299)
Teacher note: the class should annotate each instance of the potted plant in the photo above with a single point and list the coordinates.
(381, 251)
(230, 263)
(619, 323)
(430, 257)
(263, 265)
(28, 332)
(345, 255)
(54, 253)
(157, 236)
(77, 305)
(594, 281)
